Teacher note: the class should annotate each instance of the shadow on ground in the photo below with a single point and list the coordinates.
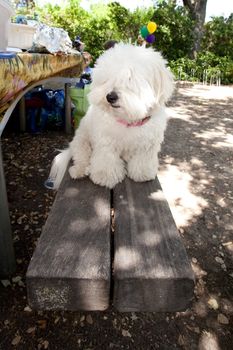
(196, 175)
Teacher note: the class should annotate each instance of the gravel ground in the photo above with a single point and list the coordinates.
(196, 176)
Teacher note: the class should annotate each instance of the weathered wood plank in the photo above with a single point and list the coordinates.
(70, 268)
(151, 268)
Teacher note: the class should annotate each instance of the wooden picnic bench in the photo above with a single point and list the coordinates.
(103, 247)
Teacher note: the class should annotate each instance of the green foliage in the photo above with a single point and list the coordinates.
(174, 37)
(213, 63)
(127, 24)
(218, 37)
(27, 11)
(215, 58)
(102, 23)
(73, 18)
(207, 67)
(184, 69)
(113, 21)
(95, 37)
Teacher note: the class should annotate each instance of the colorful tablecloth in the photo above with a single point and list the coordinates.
(27, 68)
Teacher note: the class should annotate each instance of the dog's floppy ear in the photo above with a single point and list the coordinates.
(163, 79)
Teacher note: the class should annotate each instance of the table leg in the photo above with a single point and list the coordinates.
(22, 114)
(68, 127)
(7, 258)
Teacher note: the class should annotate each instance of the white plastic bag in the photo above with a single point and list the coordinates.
(52, 39)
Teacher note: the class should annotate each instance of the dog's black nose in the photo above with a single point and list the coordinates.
(112, 97)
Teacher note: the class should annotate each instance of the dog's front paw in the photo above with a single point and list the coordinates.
(140, 171)
(107, 174)
(76, 173)
(108, 179)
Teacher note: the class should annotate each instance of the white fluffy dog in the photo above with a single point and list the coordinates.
(124, 126)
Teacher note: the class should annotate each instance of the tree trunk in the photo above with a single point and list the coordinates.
(197, 9)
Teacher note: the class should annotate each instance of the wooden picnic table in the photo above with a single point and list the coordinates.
(18, 75)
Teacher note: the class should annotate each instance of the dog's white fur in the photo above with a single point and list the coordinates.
(106, 149)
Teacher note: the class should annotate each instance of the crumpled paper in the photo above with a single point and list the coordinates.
(51, 39)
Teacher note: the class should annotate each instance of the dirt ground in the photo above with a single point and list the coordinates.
(197, 179)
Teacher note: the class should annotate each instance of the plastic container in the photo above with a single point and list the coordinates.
(79, 99)
(6, 11)
(7, 55)
(21, 35)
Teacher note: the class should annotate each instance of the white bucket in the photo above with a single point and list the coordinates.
(21, 35)
(6, 11)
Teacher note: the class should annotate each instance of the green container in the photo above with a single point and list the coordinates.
(79, 99)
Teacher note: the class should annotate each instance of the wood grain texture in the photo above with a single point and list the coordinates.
(70, 268)
(151, 268)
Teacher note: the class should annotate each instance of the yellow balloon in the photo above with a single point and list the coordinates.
(151, 26)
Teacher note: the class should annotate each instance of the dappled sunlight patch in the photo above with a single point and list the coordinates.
(207, 92)
(63, 247)
(228, 246)
(221, 201)
(158, 196)
(184, 204)
(150, 238)
(126, 258)
(227, 142)
(209, 134)
(198, 271)
(213, 302)
(84, 225)
(208, 341)
(181, 112)
(101, 208)
(197, 162)
(218, 136)
(71, 192)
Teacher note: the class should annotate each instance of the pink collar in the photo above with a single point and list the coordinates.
(136, 123)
